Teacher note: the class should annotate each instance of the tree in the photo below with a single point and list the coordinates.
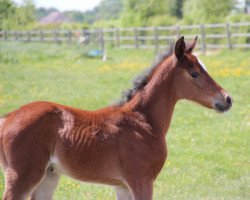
(14, 16)
(25, 14)
(76, 16)
(142, 12)
(176, 8)
(207, 11)
(6, 10)
(106, 10)
(42, 12)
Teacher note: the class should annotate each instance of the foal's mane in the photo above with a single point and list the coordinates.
(142, 79)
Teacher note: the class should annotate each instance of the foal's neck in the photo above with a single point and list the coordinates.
(157, 100)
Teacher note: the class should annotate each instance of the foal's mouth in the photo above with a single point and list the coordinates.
(221, 108)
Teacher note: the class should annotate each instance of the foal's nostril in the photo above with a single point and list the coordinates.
(229, 100)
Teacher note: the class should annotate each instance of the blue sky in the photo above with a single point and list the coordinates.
(63, 5)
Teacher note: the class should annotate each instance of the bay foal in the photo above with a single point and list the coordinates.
(122, 145)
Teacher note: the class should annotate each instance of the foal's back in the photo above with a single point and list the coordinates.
(81, 144)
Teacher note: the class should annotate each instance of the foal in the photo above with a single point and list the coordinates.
(122, 145)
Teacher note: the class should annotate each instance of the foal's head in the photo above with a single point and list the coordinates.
(194, 82)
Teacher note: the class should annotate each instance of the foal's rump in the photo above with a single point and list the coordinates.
(27, 135)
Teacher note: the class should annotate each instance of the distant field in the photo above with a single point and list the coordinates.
(209, 153)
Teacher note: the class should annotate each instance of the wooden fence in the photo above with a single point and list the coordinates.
(212, 36)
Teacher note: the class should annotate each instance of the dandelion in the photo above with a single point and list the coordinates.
(105, 68)
(228, 72)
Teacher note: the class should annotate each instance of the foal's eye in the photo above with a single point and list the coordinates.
(195, 75)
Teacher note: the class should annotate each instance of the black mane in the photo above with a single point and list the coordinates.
(141, 80)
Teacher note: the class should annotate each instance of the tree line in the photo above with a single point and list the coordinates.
(125, 13)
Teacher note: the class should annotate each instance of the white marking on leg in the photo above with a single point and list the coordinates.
(123, 193)
(46, 188)
(202, 64)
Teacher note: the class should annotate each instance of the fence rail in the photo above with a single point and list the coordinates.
(212, 36)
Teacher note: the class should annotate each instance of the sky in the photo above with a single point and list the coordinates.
(63, 5)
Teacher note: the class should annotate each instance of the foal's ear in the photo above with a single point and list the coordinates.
(180, 48)
(191, 45)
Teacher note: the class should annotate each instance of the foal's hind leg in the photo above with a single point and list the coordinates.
(46, 188)
(19, 184)
(25, 167)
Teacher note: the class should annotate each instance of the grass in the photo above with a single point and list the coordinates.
(208, 153)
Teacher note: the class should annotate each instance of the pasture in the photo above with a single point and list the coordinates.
(208, 152)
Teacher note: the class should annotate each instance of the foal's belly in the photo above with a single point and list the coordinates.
(103, 168)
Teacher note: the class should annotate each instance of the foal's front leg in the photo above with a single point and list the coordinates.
(142, 189)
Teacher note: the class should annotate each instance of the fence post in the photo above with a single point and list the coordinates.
(101, 38)
(29, 35)
(69, 36)
(4, 35)
(136, 38)
(229, 43)
(41, 35)
(16, 35)
(83, 36)
(55, 36)
(203, 39)
(117, 37)
(112, 36)
(156, 40)
(178, 31)
(102, 43)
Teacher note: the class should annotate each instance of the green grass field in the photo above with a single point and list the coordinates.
(209, 153)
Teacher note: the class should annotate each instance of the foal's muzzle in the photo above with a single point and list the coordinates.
(225, 105)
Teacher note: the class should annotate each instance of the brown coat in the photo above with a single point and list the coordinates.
(120, 145)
